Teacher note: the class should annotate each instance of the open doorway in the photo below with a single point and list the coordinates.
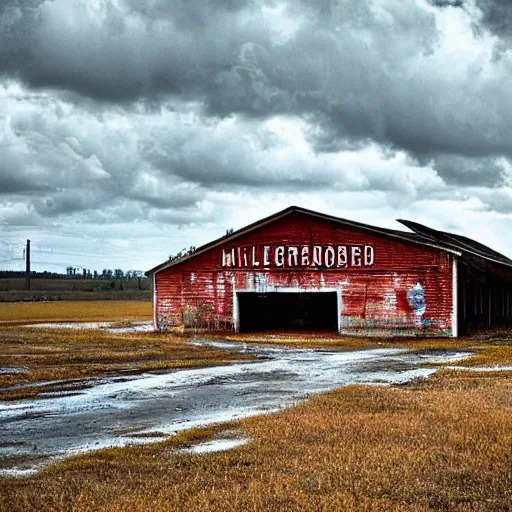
(274, 311)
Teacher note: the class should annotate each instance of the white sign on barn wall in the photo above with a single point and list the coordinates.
(295, 256)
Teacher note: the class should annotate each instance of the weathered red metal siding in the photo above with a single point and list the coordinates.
(200, 292)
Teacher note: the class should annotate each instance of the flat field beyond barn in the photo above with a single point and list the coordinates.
(69, 289)
(442, 443)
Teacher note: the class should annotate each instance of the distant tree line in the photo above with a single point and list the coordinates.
(106, 273)
(14, 274)
(77, 273)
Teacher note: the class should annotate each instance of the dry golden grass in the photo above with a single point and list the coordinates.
(302, 338)
(440, 444)
(491, 348)
(47, 355)
(74, 311)
(56, 354)
(443, 444)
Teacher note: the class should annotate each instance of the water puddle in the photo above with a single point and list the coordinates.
(147, 407)
(215, 445)
(70, 325)
(484, 369)
(19, 471)
(138, 326)
(135, 327)
(10, 370)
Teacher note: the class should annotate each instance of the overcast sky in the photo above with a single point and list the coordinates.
(130, 129)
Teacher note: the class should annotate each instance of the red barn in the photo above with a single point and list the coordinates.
(299, 269)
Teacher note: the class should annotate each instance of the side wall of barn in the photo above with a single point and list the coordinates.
(401, 289)
(485, 295)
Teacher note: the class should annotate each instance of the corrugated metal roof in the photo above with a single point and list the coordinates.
(458, 242)
(421, 235)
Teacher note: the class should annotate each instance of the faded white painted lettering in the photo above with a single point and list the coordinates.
(255, 262)
(266, 255)
(293, 256)
(226, 260)
(356, 256)
(329, 256)
(317, 255)
(304, 256)
(342, 256)
(369, 256)
(279, 256)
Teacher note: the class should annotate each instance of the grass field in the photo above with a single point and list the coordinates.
(41, 289)
(439, 444)
(443, 444)
(74, 311)
(55, 354)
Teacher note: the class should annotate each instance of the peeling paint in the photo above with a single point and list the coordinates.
(373, 299)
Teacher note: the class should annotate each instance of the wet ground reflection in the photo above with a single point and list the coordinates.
(144, 408)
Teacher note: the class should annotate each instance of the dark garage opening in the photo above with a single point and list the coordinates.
(288, 311)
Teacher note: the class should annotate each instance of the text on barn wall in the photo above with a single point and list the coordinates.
(293, 256)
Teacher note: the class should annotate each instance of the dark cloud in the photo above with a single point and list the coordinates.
(17, 185)
(68, 202)
(149, 109)
(497, 16)
(122, 53)
(498, 202)
(447, 3)
(458, 170)
(187, 13)
(360, 71)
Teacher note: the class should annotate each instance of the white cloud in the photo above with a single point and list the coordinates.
(149, 128)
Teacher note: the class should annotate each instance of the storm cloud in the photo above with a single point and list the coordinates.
(179, 113)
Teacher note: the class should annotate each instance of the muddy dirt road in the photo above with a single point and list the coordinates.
(125, 410)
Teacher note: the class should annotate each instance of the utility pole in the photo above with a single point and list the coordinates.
(27, 267)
